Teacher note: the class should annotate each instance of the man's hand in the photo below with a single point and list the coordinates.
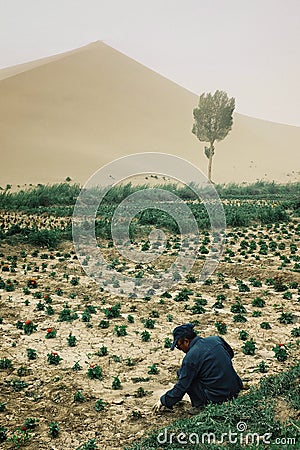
(157, 406)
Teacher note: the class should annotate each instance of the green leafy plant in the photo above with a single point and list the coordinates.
(221, 327)
(79, 397)
(168, 343)
(146, 337)
(102, 351)
(238, 308)
(153, 369)
(281, 353)
(258, 302)
(31, 353)
(249, 347)
(103, 324)
(116, 384)
(149, 323)
(29, 327)
(30, 423)
(72, 341)
(76, 367)
(51, 333)
(140, 392)
(53, 429)
(53, 358)
(262, 367)
(95, 372)
(120, 330)
(239, 318)
(5, 363)
(113, 311)
(3, 434)
(2, 407)
(100, 405)
(265, 326)
(286, 318)
(295, 332)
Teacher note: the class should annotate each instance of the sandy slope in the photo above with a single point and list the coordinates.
(70, 114)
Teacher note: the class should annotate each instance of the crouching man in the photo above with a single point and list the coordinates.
(206, 373)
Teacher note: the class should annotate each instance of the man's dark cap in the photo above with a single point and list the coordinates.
(181, 331)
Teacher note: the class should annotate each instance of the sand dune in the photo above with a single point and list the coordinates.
(69, 114)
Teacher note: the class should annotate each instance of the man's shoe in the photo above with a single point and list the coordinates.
(195, 410)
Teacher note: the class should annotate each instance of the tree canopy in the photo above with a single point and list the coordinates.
(213, 120)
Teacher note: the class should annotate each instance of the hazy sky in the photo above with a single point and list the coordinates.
(249, 48)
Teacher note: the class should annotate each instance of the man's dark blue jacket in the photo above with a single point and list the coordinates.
(207, 370)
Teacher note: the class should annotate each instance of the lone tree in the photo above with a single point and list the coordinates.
(213, 121)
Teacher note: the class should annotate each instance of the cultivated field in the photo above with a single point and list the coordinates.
(81, 367)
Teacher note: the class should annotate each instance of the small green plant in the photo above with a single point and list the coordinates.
(258, 302)
(23, 371)
(86, 316)
(113, 311)
(120, 330)
(153, 369)
(249, 347)
(95, 372)
(168, 343)
(103, 324)
(262, 367)
(170, 318)
(79, 397)
(100, 405)
(239, 318)
(287, 295)
(295, 332)
(130, 318)
(238, 308)
(53, 358)
(3, 434)
(66, 315)
(54, 429)
(116, 384)
(149, 323)
(51, 333)
(30, 423)
(136, 415)
(72, 341)
(31, 353)
(116, 358)
(256, 313)
(281, 353)
(265, 326)
(146, 336)
(102, 351)
(29, 327)
(286, 318)
(74, 281)
(2, 406)
(221, 327)
(18, 385)
(20, 437)
(130, 363)
(5, 363)
(76, 367)
(140, 392)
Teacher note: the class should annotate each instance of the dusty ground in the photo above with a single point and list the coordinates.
(49, 395)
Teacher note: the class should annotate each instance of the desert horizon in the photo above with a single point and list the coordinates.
(70, 114)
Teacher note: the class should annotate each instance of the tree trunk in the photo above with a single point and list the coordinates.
(211, 154)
